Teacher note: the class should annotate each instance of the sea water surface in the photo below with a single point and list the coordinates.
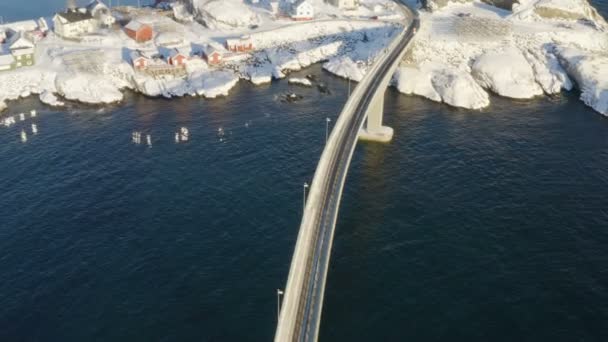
(469, 226)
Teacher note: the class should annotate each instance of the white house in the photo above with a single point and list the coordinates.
(2, 35)
(345, 4)
(18, 52)
(302, 10)
(74, 22)
(101, 13)
(274, 7)
(139, 59)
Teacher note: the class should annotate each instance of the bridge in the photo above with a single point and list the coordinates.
(300, 314)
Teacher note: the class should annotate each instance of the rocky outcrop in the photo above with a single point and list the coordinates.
(591, 75)
(506, 73)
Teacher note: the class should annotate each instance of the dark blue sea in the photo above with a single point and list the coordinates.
(469, 226)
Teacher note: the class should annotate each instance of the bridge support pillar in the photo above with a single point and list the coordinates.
(373, 129)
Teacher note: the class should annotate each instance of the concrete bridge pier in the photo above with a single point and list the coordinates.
(373, 129)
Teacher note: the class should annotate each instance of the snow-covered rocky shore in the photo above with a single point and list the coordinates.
(467, 49)
(98, 69)
(463, 52)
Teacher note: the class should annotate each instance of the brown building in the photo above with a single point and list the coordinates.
(139, 32)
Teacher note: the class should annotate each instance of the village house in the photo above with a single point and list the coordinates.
(2, 35)
(22, 49)
(212, 55)
(18, 52)
(302, 10)
(242, 44)
(345, 4)
(138, 31)
(101, 13)
(139, 59)
(177, 57)
(274, 7)
(74, 22)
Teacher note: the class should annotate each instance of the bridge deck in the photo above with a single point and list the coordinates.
(303, 301)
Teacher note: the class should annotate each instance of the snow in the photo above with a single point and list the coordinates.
(50, 99)
(442, 84)
(212, 84)
(507, 73)
(590, 73)
(224, 13)
(300, 81)
(458, 51)
(467, 45)
(88, 89)
(344, 67)
(549, 74)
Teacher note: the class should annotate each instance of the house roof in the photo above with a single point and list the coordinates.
(175, 52)
(26, 25)
(136, 54)
(135, 25)
(209, 50)
(299, 3)
(91, 6)
(18, 41)
(75, 16)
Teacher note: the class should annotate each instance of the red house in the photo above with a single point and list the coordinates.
(139, 59)
(139, 32)
(177, 58)
(212, 55)
(242, 44)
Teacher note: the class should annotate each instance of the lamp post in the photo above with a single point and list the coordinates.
(279, 293)
(327, 121)
(349, 87)
(304, 199)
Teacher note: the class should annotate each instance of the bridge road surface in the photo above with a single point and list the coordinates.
(303, 302)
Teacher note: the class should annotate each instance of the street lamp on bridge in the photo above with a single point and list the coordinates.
(327, 121)
(279, 293)
(304, 198)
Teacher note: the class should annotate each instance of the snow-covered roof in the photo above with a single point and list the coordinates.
(176, 52)
(299, 3)
(26, 25)
(209, 50)
(75, 16)
(94, 5)
(239, 40)
(135, 25)
(18, 41)
(136, 54)
(170, 39)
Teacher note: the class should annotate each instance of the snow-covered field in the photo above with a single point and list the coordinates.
(462, 52)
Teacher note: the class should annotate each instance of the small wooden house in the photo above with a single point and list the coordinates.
(139, 60)
(22, 49)
(177, 57)
(242, 44)
(138, 31)
(73, 23)
(212, 55)
(302, 10)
